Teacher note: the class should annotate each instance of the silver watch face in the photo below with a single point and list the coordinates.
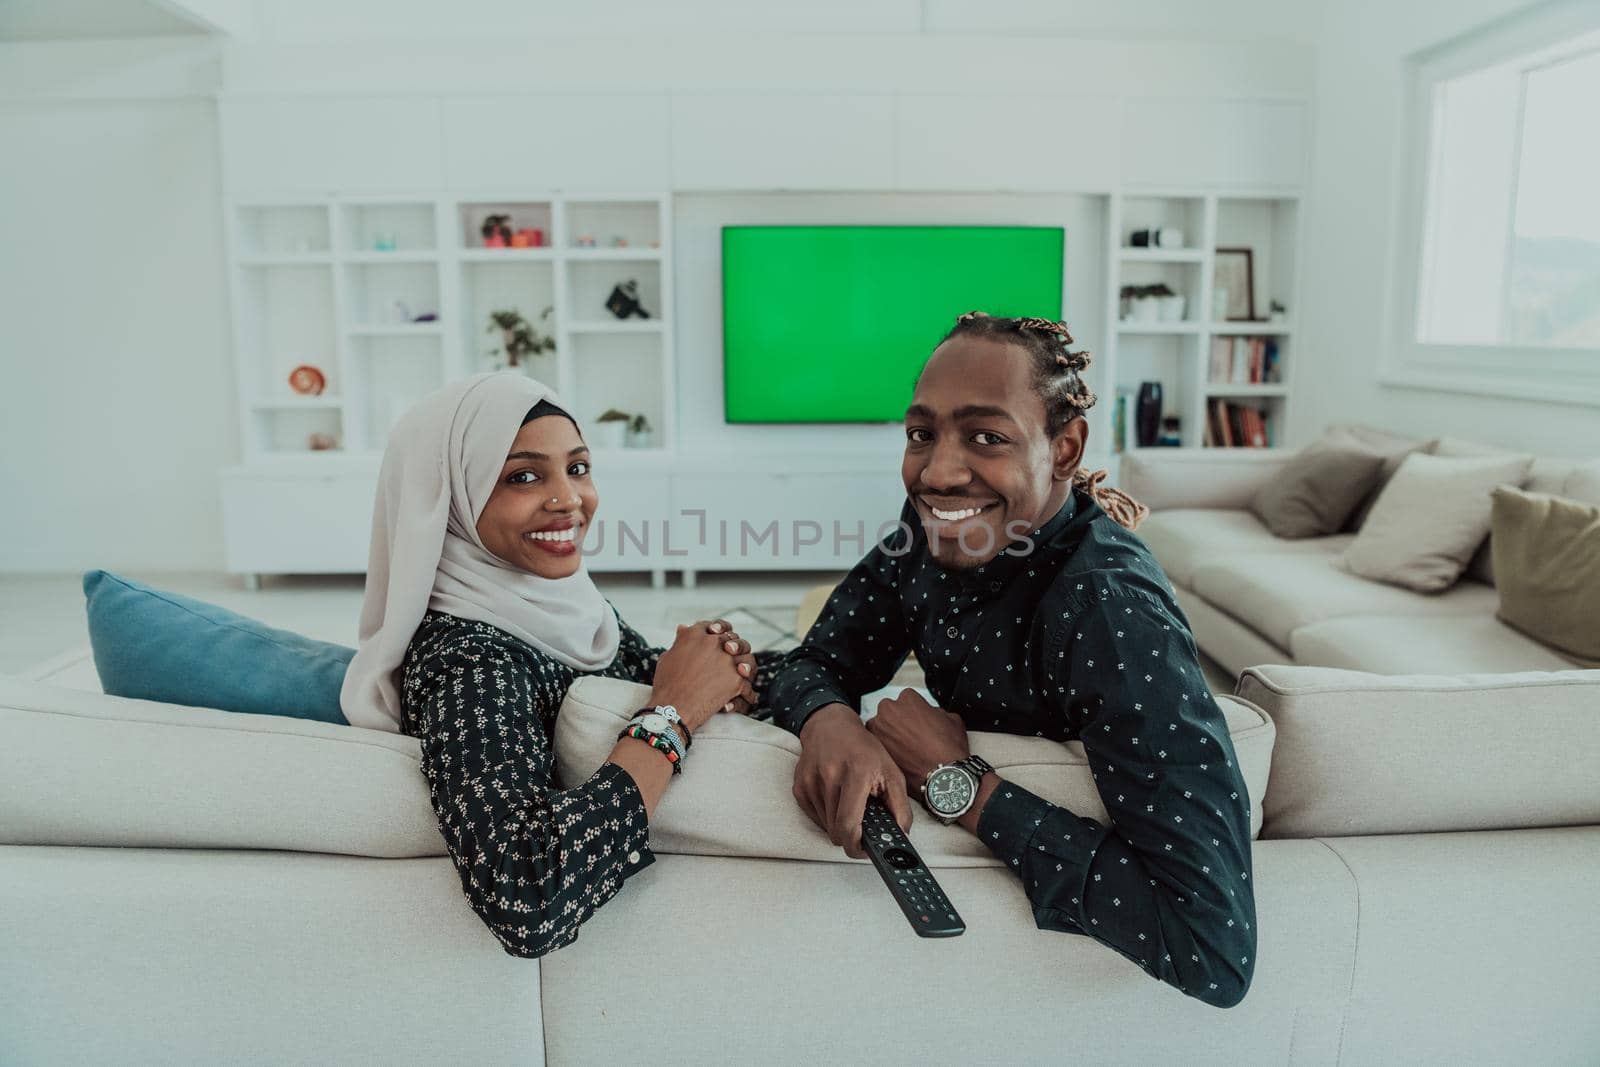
(949, 791)
(655, 723)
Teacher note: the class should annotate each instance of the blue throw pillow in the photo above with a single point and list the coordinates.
(160, 646)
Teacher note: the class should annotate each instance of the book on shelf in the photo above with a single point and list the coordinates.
(1243, 360)
(1122, 420)
(1237, 426)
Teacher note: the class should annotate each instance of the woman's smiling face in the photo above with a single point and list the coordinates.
(543, 501)
(979, 468)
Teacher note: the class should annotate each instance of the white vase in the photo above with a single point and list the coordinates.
(612, 434)
(1172, 308)
(641, 438)
(1145, 309)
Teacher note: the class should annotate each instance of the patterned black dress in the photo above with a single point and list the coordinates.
(535, 859)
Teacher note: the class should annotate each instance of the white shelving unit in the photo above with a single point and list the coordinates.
(389, 297)
(1178, 353)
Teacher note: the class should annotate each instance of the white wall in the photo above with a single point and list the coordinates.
(115, 354)
(1356, 159)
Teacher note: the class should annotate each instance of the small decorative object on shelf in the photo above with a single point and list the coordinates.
(586, 240)
(384, 243)
(528, 237)
(624, 301)
(1156, 237)
(610, 430)
(307, 380)
(322, 442)
(1152, 303)
(518, 338)
(1171, 435)
(619, 241)
(640, 434)
(1277, 313)
(403, 310)
(1148, 414)
(496, 231)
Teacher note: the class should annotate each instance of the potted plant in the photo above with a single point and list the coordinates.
(640, 433)
(1169, 305)
(1151, 303)
(519, 340)
(611, 429)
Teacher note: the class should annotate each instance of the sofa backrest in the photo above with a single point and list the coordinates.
(81, 768)
(735, 796)
(1360, 753)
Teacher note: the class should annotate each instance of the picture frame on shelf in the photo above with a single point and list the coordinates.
(1234, 273)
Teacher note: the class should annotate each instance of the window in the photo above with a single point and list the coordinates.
(1511, 242)
(1500, 254)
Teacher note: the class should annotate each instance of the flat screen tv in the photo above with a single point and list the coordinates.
(832, 323)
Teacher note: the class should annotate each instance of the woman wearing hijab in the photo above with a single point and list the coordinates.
(478, 616)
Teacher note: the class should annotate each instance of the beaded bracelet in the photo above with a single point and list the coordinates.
(658, 742)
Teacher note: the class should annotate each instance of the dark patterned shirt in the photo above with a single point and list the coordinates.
(535, 859)
(1079, 639)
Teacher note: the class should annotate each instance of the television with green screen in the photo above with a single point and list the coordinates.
(832, 323)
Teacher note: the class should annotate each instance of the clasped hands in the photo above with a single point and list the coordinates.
(842, 762)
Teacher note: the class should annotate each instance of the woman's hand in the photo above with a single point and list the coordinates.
(707, 668)
(744, 661)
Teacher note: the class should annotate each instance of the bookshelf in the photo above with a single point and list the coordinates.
(1176, 331)
(389, 298)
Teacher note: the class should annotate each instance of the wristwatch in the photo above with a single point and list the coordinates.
(952, 788)
(669, 718)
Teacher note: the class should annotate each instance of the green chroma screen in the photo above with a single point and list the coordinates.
(832, 323)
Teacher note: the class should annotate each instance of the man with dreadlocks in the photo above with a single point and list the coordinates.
(1032, 609)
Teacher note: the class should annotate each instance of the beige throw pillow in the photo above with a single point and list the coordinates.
(1547, 559)
(1316, 491)
(1429, 519)
(1481, 565)
(1393, 448)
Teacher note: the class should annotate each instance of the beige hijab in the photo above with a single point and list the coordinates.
(444, 459)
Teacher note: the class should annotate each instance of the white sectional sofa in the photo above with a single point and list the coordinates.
(180, 885)
(1255, 598)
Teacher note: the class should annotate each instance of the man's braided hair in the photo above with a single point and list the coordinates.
(1056, 367)
(1057, 371)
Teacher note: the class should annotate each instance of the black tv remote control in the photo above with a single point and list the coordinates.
(927, 908)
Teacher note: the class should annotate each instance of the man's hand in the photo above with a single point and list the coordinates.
(840, 766)
(918, 736)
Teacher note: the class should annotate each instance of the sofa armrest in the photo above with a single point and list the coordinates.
(1225, 478)
(1360, 753)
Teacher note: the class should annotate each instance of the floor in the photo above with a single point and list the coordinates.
(41, 616)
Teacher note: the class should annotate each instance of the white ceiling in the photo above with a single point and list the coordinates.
(79, 20)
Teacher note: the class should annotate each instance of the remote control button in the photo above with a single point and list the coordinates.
(885, 837)
(924, 918)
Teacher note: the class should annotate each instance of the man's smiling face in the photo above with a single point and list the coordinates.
(979, 467)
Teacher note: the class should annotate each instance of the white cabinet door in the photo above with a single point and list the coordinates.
(592, 143)
(299, 523)
(1050, 143)
(1231, 143)
(632, 524)
(323, 144)
(753, 141)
